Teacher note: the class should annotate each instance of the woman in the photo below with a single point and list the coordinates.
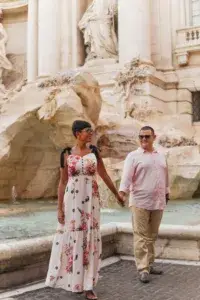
(76, 253)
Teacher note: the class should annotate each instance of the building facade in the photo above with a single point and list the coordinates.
(45, 37)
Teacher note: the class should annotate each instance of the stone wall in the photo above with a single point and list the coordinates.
(27, 261)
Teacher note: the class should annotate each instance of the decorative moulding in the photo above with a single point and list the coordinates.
(12, 6)
(9, 4)
(187, 41)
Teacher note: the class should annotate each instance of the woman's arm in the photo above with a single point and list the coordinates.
(61, 192)
(106, 178)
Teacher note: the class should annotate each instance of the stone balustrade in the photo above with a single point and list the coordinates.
(192, 36)
(188, 40)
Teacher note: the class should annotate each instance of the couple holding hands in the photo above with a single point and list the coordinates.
(76, 251)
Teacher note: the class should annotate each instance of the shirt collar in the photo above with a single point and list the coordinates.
(144, 151)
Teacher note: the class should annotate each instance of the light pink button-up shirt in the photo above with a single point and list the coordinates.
(145, 176)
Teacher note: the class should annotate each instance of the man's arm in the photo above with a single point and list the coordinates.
(127, 175)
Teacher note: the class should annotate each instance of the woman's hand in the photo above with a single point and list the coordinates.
(61, 216)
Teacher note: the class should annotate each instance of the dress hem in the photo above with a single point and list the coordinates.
(69, 290)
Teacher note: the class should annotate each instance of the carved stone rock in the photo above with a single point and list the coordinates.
(38, 127)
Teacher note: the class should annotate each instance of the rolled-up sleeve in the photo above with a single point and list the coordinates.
(127, 174)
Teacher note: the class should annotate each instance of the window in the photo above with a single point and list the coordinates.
(196, 107)
(195, 12)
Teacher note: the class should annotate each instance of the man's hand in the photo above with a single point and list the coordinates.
(167, 198)
(122, 195)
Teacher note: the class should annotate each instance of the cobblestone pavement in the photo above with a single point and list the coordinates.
(119, 282)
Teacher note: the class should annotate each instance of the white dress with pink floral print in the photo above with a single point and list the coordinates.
(76, 252)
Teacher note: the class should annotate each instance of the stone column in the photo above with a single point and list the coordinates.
(164, 40)
(182, 11)
(175, 24)
(49, 37)
(134, 30)
(188, 12)
(185, 13)
(78, 9)
(66, 35)
(32, 41)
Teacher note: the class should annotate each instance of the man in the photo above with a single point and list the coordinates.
(145, 175)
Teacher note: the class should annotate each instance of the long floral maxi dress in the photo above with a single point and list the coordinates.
(76, 252)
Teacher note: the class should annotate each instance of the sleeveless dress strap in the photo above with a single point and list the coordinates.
(95, 150)
(62, 156)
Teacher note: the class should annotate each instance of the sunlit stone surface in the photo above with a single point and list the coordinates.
(143, 71)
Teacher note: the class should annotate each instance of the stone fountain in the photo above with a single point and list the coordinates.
(115, 87)
(36, 124)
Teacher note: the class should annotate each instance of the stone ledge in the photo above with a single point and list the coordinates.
(27, 261)
(175, 242)
(179, 232)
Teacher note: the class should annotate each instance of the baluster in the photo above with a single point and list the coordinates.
(192, 33)
(187, 36)
(197, 34)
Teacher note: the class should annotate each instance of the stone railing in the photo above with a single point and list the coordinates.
(188, 40)
(27, 261)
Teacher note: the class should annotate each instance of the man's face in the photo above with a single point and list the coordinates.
(146, 138)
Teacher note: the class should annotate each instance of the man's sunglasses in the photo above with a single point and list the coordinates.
(146, 137)
(88, 130)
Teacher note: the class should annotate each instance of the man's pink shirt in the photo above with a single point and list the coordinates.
(145, 176)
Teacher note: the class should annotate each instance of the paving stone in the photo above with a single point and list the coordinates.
(119, 282)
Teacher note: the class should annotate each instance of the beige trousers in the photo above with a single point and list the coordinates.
(145, 228)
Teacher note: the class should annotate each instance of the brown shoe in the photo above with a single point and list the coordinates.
(155, 271)
(144, 277)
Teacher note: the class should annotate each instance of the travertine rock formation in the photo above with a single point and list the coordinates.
(184, 170)
(36, 125)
